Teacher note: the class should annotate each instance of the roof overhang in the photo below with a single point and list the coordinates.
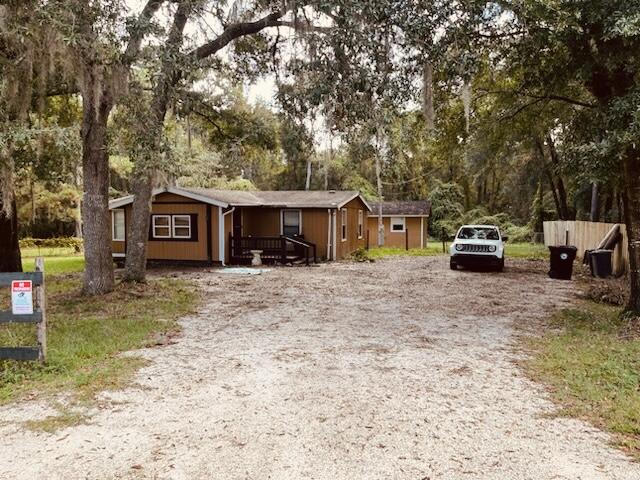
(386, 215)
(356, 195)
(121, 202)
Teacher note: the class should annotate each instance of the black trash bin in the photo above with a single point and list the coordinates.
(601, 263)
(562, 262)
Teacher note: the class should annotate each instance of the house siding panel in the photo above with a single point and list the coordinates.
(315, 225)
(414, 225)
(344, 248)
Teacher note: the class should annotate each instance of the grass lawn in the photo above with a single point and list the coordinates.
(593, 370)
(513, 250)
(57, 260)
(86, 334)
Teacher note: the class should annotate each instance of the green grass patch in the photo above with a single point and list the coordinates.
(532, 251)
(593, 371)
(433, 248)
(56, 265)
(85, 334)
(513, 250)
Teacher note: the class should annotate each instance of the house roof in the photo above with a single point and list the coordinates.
(241, 198)
(418, 208)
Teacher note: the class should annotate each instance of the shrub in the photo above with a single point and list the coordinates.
(55, 242)
(361, 255)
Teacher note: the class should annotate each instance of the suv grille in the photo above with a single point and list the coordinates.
(475, 248)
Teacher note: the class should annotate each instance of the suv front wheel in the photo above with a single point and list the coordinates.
(453, 265)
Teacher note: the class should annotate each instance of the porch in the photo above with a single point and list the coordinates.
(282, 249)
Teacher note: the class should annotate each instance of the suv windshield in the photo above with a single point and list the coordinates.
(471, 233)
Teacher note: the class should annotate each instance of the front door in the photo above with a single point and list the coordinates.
(291, 223)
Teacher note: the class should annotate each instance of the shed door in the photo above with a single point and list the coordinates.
(291, 223)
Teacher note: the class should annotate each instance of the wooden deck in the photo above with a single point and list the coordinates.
(280, 249)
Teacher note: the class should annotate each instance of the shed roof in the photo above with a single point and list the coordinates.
(418, 208)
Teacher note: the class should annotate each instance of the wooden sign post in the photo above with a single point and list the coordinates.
(23, 310)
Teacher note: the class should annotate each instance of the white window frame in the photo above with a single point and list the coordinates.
(360, 224)
(298, 211)
(154, 217)
(113, 225)
(344, 220)
(173, 226)
(402, 221)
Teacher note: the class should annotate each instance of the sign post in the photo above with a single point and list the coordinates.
(27, 306)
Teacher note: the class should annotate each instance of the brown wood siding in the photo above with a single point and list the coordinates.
(344, 248)
(215, 233)
(117, 247)
(260, 222)
(177, 250)
(413, 226)
(315, 228)
(172, 198)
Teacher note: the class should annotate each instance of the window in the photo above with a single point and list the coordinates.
(478, 233)
(117, 225)
(360, 223)
(397, 224)
(343, 223)
(161, 226)
(181, 226)
(291, 223)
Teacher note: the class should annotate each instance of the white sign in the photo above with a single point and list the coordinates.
(21, 297)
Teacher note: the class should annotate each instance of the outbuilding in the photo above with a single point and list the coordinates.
(406, 223)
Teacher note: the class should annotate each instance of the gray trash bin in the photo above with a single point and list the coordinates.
(601, 266)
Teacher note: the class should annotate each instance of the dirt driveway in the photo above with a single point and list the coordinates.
(401, 369)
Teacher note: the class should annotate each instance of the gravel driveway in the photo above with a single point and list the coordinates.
(400, 369)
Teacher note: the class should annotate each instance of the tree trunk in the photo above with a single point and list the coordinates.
(562, 193)
(631, 200)
(10, 260)
(97, 104)
(138, 229)
(549, 175)
(595, 203)
(380, 199)
(307, 183)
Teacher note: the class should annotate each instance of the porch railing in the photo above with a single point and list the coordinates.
(281, 249)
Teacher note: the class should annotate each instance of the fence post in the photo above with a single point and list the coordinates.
(406, 238)
(42, 304)
(444, 248)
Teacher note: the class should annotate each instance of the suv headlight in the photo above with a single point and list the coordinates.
(492, 248)
(459, 247)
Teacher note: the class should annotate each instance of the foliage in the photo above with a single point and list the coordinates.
(361, 255)
(593, 371)
(54, 242)
(446, 208)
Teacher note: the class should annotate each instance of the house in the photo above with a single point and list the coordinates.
(406, 224)
(202, 226)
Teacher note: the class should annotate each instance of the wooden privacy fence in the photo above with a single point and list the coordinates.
(34, 282)
(587, 236)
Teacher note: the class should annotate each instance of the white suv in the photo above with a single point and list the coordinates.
(478, 245)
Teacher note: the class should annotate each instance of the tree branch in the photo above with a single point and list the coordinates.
(139, 30)
(560, 98)
(234, 31)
